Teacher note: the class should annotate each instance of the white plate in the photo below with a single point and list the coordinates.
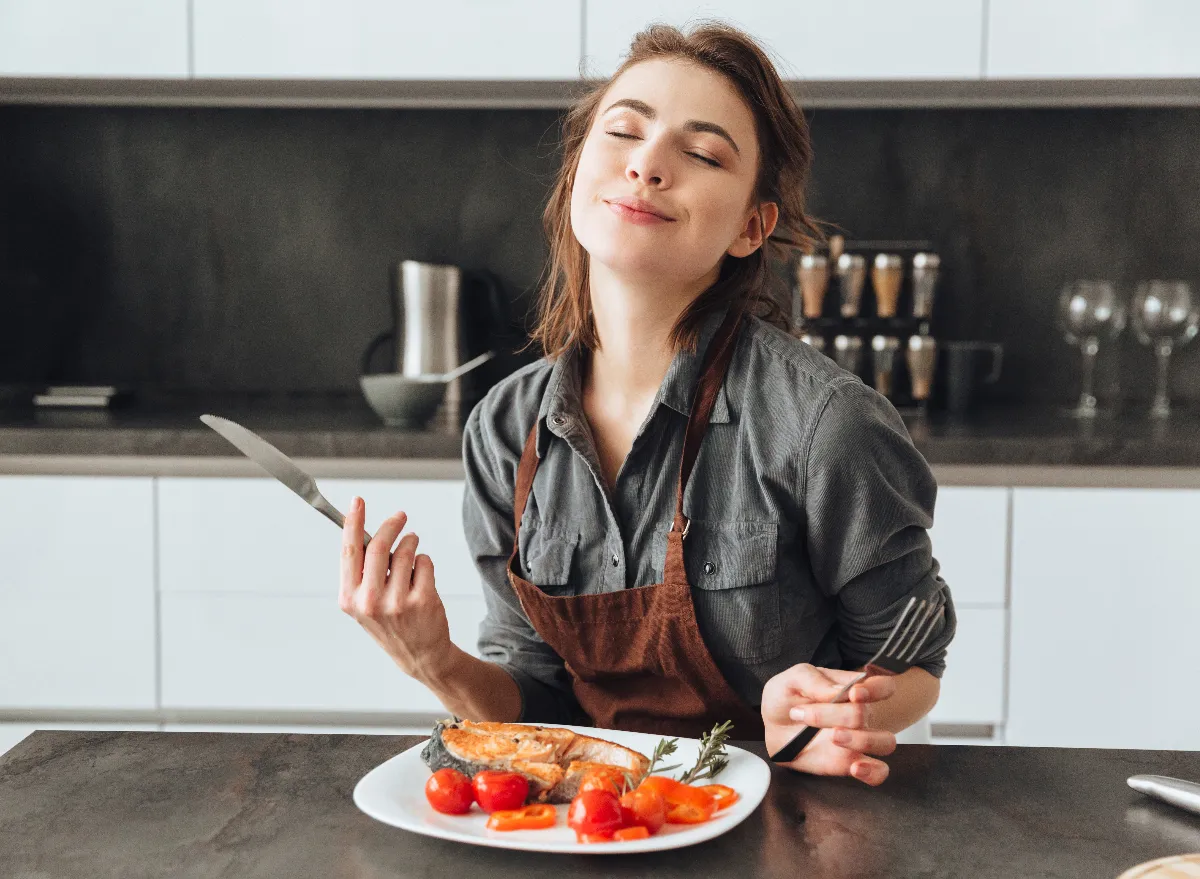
(394, 793)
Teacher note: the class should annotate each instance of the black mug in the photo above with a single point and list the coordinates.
(968, 366)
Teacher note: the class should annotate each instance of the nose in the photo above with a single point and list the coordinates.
(647, 165)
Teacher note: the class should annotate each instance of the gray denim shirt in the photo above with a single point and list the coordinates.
(809, 509)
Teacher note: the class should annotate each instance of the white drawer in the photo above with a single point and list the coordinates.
(973, 686)
(252, 535)
(970, 541)
(279, 653)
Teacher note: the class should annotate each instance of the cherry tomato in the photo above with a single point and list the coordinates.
(449, 792)
(496, 791)
(723, 797)
(538, 816)
(626, 833)
(608, 778)
(678, 793)
(685, 813)
(645, 807)
(595, 811)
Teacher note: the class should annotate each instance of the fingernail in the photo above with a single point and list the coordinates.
(798, 715)
(355, 504)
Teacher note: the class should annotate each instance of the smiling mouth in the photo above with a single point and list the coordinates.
(636, 212)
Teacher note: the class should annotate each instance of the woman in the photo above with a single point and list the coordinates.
(770, 507)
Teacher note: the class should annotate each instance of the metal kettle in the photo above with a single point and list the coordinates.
(439, 323)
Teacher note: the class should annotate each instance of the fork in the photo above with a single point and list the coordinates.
(909, 634)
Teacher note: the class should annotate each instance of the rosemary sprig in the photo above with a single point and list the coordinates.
(665, 748)
(712, 757)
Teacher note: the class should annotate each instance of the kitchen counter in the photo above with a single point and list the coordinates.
(133, 805)
(338, 435)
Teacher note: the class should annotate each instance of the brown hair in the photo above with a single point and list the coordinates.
(785, 155)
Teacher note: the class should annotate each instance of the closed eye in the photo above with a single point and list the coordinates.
(624, 135)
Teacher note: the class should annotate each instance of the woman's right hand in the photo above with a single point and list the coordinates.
(392, 594)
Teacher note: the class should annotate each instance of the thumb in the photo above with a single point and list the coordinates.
(810, 682)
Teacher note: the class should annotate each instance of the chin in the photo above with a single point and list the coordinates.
(629, 252)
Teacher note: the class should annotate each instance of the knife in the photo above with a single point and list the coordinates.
(1176, 791)
(278, 465)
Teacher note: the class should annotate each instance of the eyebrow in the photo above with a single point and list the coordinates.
(644, 109)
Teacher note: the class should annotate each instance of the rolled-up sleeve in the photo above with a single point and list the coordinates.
(869, 498)
(506, 636)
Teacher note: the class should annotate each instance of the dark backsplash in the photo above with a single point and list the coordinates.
(249, 249)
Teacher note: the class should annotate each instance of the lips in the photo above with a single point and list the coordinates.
(638, 209)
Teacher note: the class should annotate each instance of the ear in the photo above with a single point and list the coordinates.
(759, 226)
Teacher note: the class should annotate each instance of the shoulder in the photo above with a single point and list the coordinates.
(498, 425)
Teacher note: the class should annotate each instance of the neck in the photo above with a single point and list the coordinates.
(634, 323)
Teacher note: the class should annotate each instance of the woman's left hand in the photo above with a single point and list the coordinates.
(846, 744)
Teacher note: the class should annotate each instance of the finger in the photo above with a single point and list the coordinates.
(401, 566)
(352, 551)
(876, 742)
(849, 715)
(809, 682)
(873, 689)
(870, 771)
(422, 577)
(379, 554)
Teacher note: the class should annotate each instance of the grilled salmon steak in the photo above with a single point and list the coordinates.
(554, 760)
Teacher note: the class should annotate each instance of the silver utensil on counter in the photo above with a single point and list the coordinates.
(851, 275)
(1176, 791)
(1164, 315)
(909, 634)
(1090, 312)
(278, 465)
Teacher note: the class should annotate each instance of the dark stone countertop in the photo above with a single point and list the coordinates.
(342, 427)
(133, 805)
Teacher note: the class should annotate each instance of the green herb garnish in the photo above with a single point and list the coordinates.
(712, 757)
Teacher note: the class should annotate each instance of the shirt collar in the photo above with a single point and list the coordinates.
(562, 403)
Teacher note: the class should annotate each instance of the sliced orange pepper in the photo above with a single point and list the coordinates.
(678, 793)
(685, 813)
(538, 816)
(723, 796)
(626, 833)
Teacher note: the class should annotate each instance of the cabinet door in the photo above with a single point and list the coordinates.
(973, 686)
(854, 39)
(77, 627)
(254, 536)
(1105, 607)
(1080, 39)
(970, 541)
(95, 38)
(387, 39)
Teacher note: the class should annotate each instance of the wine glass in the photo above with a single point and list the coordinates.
(1164, 315)
(1090, 311)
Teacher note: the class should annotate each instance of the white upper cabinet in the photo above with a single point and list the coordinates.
(94, 38)
(387, 39)
(970, 541)
(1105, 606)
(1082, 39)
(847, 40)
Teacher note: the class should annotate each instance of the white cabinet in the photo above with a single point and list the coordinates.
(387, 39)
(1105, 609)
(853, 39)
(77, 626)
(970, 541)
(973, 686)
(100, 38)
(249, 580)
(1081, 39)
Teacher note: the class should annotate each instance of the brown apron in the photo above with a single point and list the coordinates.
(636, 657)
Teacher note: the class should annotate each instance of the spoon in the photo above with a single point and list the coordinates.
(460, 370)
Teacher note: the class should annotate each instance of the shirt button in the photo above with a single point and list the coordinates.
(616, 561)
(710, 568)
(558, 420)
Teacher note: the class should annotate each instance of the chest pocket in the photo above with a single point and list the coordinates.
(547, 556)
(731, 566)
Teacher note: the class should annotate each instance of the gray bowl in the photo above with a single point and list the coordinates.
(403, 401)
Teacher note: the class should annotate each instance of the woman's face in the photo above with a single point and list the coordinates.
(665, 178)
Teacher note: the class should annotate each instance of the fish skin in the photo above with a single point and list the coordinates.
(553, 759)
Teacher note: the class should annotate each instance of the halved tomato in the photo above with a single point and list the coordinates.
(626, 833)
(538, 816)
(723, 796)
(645, 807)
